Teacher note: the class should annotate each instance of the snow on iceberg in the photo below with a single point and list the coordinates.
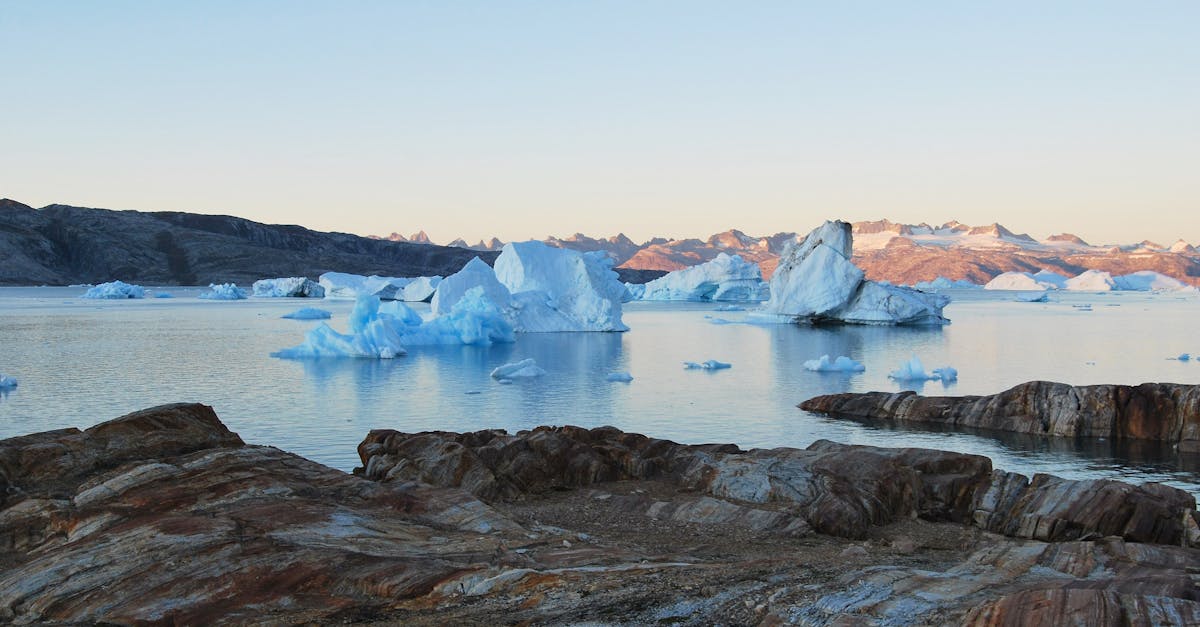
(1023, 281)
(1091, 281)
(7, 382)
(711, 364)
(288, 287)
(841, 364)
(558, 289)
(816, 282)
(524, 369)
(619, 377)
(345, 286)
(913, 371)
(224, 291)
(308, 313)
(726, 277)
(115, 290)
(420, 289)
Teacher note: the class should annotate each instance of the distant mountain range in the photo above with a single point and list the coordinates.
(904, 253)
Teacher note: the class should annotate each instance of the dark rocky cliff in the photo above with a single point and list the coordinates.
(61, 245)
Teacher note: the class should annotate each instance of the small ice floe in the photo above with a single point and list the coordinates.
(1184, 357)
(7, 382)
(164, 295)
(308, 313)
(841, 364)
(115, 290)
(1036, 297)
(711, 364)
(472, 392)
(913, 371)
(619, 377)
(224, 291)
(524, 369)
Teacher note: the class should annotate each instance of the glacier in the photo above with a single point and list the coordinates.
(841, 364)
(726, 277)
(816, 282)
(224, 291)
(308, 313)
(115, 290)
(288, 287)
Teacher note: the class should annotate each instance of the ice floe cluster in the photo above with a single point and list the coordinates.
(115, 290)
(224, 291)
(725, 278)
(288, 287)
(341, 285)
(816, 282)
(1088, 281)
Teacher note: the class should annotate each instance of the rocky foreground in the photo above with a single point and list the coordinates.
(1167, 412)
(165, 516)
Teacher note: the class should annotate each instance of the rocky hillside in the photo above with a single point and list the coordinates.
(61, 245)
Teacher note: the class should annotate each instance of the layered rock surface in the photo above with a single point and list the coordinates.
(165, 516)
(1168, 412)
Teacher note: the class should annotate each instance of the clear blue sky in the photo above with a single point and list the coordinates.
(523, 119)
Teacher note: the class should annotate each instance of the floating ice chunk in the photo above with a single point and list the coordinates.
(816, 282)
(1023, 281)
(1184, 357)
(164, 295)
(115, 290)
(558, 289)
(841, 364)
(308, 313)
(1036, 297)
(726, 277)
(474, 274)
(711, 364)
(473, 320)
(619, 377)
(526, 368)
(224, 291)
(7, 382)
(371, 336)
(288, 287)
(420, 289)
(342, 285)
(1091, 281)
(913, 371)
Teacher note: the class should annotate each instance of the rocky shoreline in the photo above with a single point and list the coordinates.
(1166, 412)
(165, 516)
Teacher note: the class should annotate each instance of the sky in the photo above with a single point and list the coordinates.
(526, 119)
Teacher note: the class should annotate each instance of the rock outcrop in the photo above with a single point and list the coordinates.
(1168, 412)
(165, 516)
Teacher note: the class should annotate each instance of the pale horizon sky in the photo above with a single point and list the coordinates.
(681, 119)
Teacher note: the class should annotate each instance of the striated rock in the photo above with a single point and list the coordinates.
(1168, 412)
(165, 516)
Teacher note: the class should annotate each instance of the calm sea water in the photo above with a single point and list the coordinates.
(80, 362)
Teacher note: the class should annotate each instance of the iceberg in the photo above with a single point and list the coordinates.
(913, 371)
(382, 330)
(288, 287)
(224, 291)
(1148, 280)
(420, 289)
(308, 313)
(635, 291)
(7, 382)
(711, 364)
(1184, 357)
(726, 277)
(1023, 281)
(164, 295)
(1053, 278)
(115, 290)
(942, 283)
(524, 369)
(841, 364)
(816, 282)
(559, 289)
(619, 377)
(1091, 281)
(345, 286)
(475, 274)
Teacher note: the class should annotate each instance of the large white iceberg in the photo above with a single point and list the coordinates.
(224, 291)
(383, 330)
(726, 277)
(816, 282)
(345, 286)
(1091, 281)
(475, 274)
(1023, 281)
(115, 290)
(559, 289)
(288, 287)
(1148, 280)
